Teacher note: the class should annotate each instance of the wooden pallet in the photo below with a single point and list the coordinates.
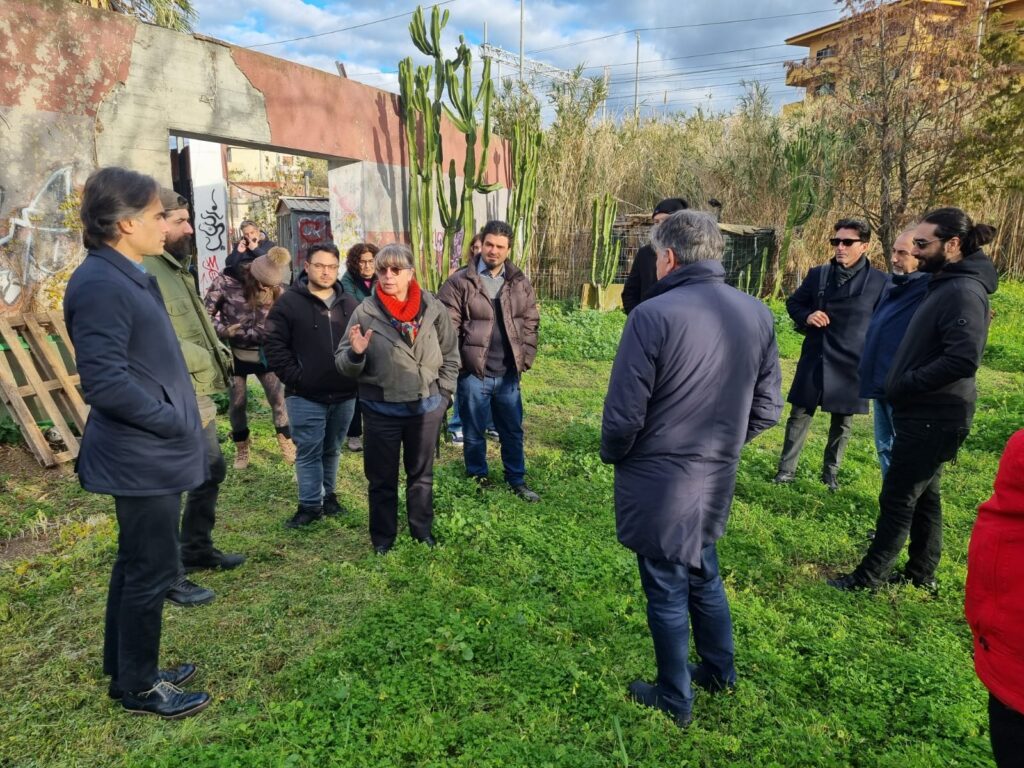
(43, 380)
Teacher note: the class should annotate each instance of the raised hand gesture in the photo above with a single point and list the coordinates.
(358, 341)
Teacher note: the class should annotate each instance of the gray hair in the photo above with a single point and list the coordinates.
(396, 256)
(692, 235)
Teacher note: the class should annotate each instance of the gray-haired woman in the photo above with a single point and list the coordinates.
(405, 378)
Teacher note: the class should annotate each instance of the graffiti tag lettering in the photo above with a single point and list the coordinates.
(213, 227)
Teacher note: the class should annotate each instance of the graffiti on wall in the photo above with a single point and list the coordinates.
(39, 250)
(312, 230)
(345, 222)
(211, 232)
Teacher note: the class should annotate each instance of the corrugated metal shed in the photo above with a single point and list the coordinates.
(302, 222)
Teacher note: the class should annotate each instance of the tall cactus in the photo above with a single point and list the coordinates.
(604, 257)
(419, 100)
(522, 206)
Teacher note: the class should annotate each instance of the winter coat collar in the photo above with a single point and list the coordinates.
(174, 262)
(709, 271)
(118, 260)
(977, 267)
(511, 271)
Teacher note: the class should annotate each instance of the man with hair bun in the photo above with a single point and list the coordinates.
(931, 386)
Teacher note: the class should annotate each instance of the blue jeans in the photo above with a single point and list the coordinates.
(317, 431)
(455, 420)
(675, 595)
(479, 399)
(884, 433)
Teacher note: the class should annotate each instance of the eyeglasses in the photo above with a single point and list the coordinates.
(324, 267)
(847, 241)
(920, 242)
(366, 262)
(391, 270)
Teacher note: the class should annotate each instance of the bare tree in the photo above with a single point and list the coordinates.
(915, 87)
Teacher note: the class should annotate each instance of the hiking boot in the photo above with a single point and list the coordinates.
(165, 701)
(332, 507)
(242, 454)
(304, 516)
(287, 448)
(188, 594)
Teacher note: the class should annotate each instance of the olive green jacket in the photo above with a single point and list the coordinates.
(391, 370)
(208, 360)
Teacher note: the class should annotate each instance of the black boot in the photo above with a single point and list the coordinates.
(305, 516)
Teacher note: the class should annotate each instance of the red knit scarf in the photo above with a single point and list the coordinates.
(403, 311)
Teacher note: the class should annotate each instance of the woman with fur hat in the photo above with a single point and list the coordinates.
(239, 309)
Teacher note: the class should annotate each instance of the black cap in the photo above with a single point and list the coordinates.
(670, 205)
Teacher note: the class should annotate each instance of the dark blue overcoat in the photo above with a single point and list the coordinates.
(143, 436)
(696, 376)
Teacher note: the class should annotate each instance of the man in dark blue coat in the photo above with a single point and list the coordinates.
(143, 442)
(696, 376)
(906, 288)
(833, 306)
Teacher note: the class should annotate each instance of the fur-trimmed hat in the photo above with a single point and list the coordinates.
(272, 267)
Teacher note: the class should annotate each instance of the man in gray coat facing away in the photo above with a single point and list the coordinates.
(696, 376)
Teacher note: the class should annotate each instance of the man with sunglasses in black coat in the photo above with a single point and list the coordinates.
(832, 307)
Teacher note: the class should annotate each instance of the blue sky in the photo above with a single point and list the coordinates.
(692, 53)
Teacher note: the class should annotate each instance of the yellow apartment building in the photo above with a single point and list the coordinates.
(822, 68)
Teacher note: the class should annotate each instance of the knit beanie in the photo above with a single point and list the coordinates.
(272, 267)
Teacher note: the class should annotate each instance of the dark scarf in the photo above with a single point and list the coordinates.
(842, 275)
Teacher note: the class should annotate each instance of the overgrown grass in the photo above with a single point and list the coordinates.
(511, 644)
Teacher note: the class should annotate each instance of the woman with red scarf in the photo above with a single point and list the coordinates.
(995, 604)
(402, 349)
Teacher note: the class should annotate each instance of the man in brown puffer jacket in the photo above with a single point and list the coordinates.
(494, 310)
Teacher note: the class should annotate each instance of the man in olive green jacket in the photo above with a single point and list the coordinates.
(209, 364)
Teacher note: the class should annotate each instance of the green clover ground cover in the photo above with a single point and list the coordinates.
(511, 644)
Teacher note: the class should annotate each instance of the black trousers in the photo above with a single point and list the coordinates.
(910, 504)
(355, 427)
(799, 424)
(199, 515)
(1006, 729)
(146, 566)
(416, 437)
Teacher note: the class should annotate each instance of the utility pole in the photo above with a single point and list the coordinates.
(521, 53)
(636, 82)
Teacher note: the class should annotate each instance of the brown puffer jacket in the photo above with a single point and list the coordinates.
(472, 315)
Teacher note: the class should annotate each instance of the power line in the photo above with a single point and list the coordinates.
(344, 29)
(722, 84)
(679, 26)
(665, 74)
(692, 56)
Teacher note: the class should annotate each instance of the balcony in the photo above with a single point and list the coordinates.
(806, 72)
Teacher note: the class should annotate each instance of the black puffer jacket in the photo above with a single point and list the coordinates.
(932, 373)
(302, 335)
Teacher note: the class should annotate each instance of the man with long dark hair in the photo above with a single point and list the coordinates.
(932, 391)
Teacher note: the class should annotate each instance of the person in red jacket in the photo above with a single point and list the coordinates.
(995, 604)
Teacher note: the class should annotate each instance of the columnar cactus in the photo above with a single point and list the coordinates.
(604, 257)
(522, 206)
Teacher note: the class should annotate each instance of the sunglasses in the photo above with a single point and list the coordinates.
(391, 270)
(834, 241)
(920, 242)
